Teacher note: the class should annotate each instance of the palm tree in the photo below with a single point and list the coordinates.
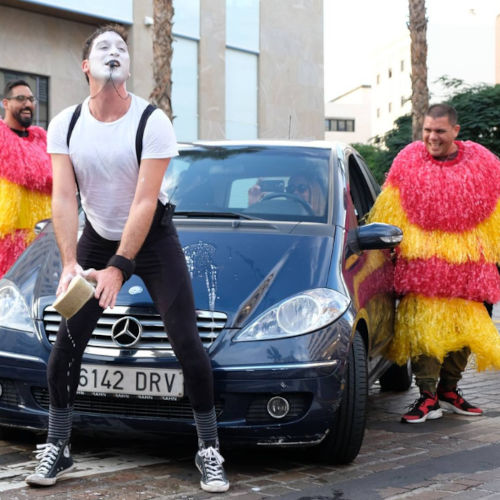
(420, 91)
(163, 14)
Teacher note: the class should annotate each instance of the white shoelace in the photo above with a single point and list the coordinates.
(213, 461)
(47, 454)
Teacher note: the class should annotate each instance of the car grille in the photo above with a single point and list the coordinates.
(130, 407)
(210, 324)
(9, 394)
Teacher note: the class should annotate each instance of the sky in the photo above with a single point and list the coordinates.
(460, 39)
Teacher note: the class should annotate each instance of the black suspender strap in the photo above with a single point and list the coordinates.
(140, 131)
(138, 138)
(72, 123)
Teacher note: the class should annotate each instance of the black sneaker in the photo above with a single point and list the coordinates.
(54, 460)
(425, 407)
(209, 462)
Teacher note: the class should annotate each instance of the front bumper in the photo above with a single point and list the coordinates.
(313, 390)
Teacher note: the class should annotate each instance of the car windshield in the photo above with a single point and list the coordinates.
(273, 183)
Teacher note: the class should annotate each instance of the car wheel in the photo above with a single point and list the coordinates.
(397, 378)
(344, 440)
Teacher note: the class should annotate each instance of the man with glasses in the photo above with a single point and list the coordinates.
(25, 173)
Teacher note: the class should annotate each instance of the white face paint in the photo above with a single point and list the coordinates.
(108, 47)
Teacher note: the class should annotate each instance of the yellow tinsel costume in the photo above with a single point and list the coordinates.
(446, 264)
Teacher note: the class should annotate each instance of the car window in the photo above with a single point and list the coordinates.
(361, 192)
(274, 183)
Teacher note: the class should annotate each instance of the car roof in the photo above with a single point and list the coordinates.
(334, 145)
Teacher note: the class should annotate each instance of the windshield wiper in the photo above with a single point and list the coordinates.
(215, 215)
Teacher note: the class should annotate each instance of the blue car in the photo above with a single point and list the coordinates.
(294, 301)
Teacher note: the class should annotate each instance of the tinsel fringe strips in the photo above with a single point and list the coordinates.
(437, 326)
(21, 208)
(452, 196)
(483, 241)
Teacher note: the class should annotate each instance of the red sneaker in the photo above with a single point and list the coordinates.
(453, 400)
(425, 407)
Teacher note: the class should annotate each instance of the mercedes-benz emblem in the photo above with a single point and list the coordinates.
(126, 332)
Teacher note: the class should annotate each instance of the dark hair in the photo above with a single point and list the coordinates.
(116, 28)
(87, 45)
(440, 110)
(13, 83)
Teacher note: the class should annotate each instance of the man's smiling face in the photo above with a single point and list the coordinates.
(439, 135)
(19, 111)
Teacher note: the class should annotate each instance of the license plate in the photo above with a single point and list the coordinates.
(118, 380)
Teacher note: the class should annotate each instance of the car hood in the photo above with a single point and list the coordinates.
(239, 269)
(243, 271)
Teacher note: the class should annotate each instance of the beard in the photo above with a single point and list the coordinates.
(24, 120)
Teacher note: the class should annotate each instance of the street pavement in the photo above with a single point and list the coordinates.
(455, 457)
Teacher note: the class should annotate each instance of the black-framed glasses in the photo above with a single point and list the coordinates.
(297, 188)
(23, 98)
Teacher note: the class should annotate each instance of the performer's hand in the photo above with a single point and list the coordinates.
(68, 273)
(109, 281)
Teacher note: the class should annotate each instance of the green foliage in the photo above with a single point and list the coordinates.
(478, 109)
(375, 159)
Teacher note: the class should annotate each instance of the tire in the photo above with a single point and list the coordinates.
(397, 378)
(343, 442)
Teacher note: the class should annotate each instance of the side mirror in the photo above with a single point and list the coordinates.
(375, 236)
(40, 225)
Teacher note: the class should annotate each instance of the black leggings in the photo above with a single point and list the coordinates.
(162, 266)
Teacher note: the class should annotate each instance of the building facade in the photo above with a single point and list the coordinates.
(241, 68)
(348, 117)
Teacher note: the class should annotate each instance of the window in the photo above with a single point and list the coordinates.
(378, 79)
(403, 100)
(241, 95)
(185, 89)
(185, 69)
(339, 125)
(361, 189)
(378, 112)
(242, 24)
(402, 65)
(39, 86)
(389, 72)
(389, 107)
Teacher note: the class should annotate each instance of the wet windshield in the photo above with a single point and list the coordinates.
(272, 183)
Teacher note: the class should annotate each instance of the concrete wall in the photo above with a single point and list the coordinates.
(291, 69)
(47, 46)
(140, 43)
(212, 95)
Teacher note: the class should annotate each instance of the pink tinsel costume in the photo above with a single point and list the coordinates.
(25, 187)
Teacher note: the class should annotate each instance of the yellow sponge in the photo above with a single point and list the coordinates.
(78, 293)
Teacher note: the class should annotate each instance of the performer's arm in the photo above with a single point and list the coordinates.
(65, 216)
(110, 280)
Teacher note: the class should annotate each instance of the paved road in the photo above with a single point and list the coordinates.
(452, 458)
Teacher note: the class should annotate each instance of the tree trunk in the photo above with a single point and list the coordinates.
(420, 91)
(163, 13)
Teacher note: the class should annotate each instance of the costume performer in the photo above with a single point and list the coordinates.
(25, 187)
(449, 211)
(446, 264)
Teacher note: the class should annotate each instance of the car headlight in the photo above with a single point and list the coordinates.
(14, 312)
(303, 313)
